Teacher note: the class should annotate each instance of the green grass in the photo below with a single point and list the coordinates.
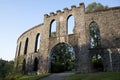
(95, 76)
(24, 77)
(35, 77)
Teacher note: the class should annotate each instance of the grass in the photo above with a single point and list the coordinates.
(95, 76)
(18, 76)
(34, 77)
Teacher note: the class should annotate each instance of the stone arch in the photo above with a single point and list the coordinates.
(37, 43)
(19, 48)
(95, 40)
(70, 24)
(52, 55)
(24, 66)
(35, 66)
(26, 46)
(53, 28)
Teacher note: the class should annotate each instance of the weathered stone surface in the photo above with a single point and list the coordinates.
(109, 25)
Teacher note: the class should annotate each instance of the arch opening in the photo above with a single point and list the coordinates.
(26, 46)
(97, 63)
(37, 43)
(70, 25)
(62, 58)
(35, 68)
(53, 28)
(95, 40)
(24, 66)
(19, 49)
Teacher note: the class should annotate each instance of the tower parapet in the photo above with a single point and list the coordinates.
(65, 9)
(82, 7)
(46, 16)
(73, 7)
(52, 14)
(58, 12)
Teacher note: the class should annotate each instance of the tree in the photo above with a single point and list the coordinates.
(62, 58)
(95, 6)
(6, 67)
(94, 35)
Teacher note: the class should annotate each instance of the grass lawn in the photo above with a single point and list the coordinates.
(35, 77)
(95, 76)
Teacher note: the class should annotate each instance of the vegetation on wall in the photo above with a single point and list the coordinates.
(95, 6)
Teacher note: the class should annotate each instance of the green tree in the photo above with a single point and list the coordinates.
(95, 6)
(6, 67)
(2, 68)
(94, 35)
(62, 58)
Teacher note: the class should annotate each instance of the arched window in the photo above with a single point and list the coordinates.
(35, 65)
(53, 28)
(24, 65)
(94, 35)
(70, 25)
(26, 46)
(37, 43)
(19, 48)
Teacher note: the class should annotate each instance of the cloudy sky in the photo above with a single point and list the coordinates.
(16, 16)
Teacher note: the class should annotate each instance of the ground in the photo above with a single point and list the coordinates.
(58, 76)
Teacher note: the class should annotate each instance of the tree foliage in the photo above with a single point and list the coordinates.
(97, 62)
(62, 58)
(95, 6)
(6, 67)
(94, 35)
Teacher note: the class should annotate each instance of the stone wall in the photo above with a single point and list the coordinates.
(110, 58)
(108, 21)
(109, 25)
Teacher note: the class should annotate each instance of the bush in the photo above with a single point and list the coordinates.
(57, 67)
(6, 67)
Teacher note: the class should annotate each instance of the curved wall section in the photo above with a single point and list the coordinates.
(31, 35)
(108, 21)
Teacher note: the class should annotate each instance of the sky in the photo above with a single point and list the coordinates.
(17, 16)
